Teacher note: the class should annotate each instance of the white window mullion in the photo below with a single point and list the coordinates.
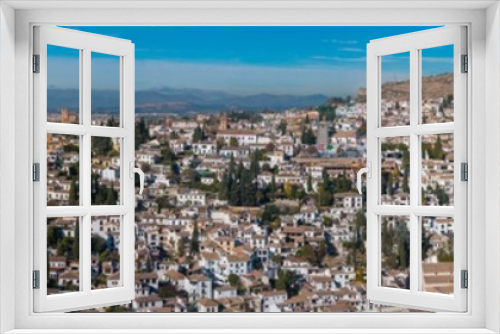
(392, 210)
(86, 170)
(433, 128)
(414, 168)
(107, 131)
(127, 122)
(85, 256)
(373, 83)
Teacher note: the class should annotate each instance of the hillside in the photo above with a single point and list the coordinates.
(433, 87)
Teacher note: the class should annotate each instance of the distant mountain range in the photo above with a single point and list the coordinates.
(183, 100)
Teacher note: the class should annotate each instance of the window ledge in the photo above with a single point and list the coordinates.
(250, 331)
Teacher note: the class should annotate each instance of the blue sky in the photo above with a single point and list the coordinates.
(247, 60)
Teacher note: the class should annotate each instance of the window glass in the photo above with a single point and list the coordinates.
(105, 90)
(63, 255)
(63, 170)
(437, 85)
(395, 99)
(395, 252)
(437, 254)
(395, 170)
(105, 252)
(105, 171)
(63, 85)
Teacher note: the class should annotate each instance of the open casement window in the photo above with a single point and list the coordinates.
(416, 241)
(70, 236)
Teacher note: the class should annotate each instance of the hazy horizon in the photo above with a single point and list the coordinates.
(245, 60)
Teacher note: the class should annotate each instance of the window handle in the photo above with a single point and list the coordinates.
(368, 171)
(139, 171)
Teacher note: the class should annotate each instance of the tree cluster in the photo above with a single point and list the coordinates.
(239, 184)
(327, 112)
(199, 135)
(102, 194)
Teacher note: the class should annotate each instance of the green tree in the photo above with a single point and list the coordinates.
(101, 146)
(181, 248)
(282, 127)
(195, 242)
(313, 254)
(403, 246)
(163, 202)
(341, 183)
(233, 142)
(112, 122)
(287, 188)
(111, 196)
(446, 254)
(308, 136)
(73, 193)
(361, 131)
(287, 281)
(438, 149)
(327, 112)
(116, 308)
(270, 214)
(141, 133)
(426, 244)
(327, 221)
(233, 279)
(390, 183)
(167, 291)
(309, 183)
(326, 190)
(198, 135)
(167, 155)
(76, 241)
(54, 235)
(441, 195)
(174, 135)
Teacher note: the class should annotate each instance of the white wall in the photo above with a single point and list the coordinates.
(7, 159)
(492, 163)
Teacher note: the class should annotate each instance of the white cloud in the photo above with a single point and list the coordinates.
(341, 41)
(351, 49)
(341, 59)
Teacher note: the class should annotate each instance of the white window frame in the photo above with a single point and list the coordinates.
(413, 43)
(483, 312)
(85, 43)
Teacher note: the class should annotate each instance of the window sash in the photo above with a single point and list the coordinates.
(85, 298)
(413, 42)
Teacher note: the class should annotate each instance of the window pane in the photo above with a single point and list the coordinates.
(395, 252)
(395, 106)
(437, 169)
(105, 248)
(63, 255)
(105, 89)
(63, 170)
(63, 84)
(105, 251)
(395, 170)
(437, 84)
(105, 171)
(437, 254)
